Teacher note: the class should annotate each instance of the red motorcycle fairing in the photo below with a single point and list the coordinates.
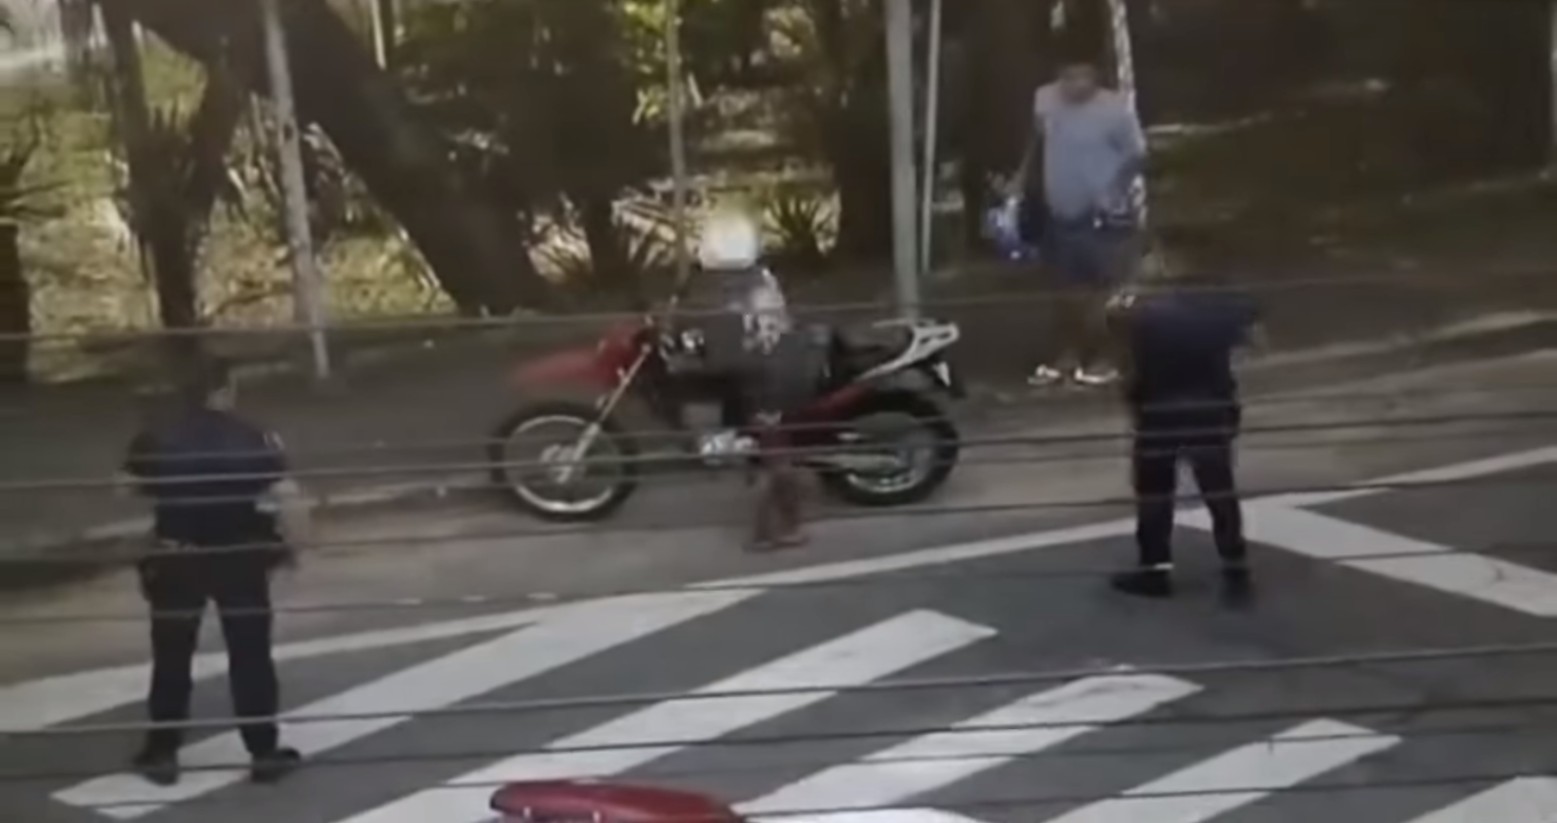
(598, 366)
(567, 801)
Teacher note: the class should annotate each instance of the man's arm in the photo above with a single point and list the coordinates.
(1031, 150)
(1251, 325)
(294, 513)
(137, 468)
(1129, 139)
(1017, 185)
(285, 497)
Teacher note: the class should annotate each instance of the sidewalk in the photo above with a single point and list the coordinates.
(411, 426)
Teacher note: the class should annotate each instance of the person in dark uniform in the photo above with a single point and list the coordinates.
(1183, 400)
(221, 502)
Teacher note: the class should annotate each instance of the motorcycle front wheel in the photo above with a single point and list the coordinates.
(915, 446)
(561, 462)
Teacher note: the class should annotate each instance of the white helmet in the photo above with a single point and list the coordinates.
(729, 241)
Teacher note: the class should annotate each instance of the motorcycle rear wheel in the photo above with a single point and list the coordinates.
(942, 449)
(516, 474)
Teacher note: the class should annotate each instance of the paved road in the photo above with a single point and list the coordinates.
(1100, 710)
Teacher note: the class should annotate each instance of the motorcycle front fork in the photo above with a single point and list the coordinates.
(605, 408)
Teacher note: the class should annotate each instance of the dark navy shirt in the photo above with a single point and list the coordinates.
(205, 472)
(1182, 343)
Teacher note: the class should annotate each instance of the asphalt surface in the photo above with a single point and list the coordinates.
(1037, 695)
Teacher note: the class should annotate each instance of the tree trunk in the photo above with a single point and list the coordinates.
(607, 249)
(158, 230)
(211, 132)
(864, 179)
(476, 251)
(15, 309)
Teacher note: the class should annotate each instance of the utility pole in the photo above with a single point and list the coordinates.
(676, 88)
(307, 285)
(1551, 45)
(386, 24)
(1124, 68)
(932, 122)
(900, 81)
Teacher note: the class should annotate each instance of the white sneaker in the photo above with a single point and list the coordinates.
(725, 444)
(1045, 376)
(1102, 377)
(716, 444)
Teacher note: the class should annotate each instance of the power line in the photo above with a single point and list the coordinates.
(667, 435)
(57, 559)
(1033, 802)
(1523, 727)
(531, 599)
(539, 321)
(929, 684)
(82, 484)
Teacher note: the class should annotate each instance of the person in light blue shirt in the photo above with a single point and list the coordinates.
(1086, 153)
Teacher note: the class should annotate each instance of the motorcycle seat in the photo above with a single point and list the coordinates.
(859, 350)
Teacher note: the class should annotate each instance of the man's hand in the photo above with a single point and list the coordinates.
(1257, 340)
(294, 515)
(126, 484)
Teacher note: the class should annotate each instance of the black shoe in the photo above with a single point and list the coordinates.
(1143, 583)
(158, 768)
(1237, 586)
(275, 766)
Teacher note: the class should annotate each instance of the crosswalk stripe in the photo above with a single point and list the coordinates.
(915, 815)
(1238, 777)
(1487, 579)
(1524, 800)
(48, 701)
(933, 761)
(861, 657)
(1497, 464)
(436, 683)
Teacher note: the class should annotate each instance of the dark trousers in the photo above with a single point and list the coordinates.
(1203, 439)
(178, 590)
(734, 410)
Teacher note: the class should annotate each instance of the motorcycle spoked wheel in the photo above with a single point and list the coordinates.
(516, 466)
(941, 449)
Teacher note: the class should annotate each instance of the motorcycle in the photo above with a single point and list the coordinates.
(573, 801)
(874, 430)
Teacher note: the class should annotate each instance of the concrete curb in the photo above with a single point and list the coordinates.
(1479, 337)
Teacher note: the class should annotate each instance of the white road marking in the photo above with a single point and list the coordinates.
(1488, 579)
(627, 742)
(933, 761)
(38, 704)
(916, 815)
(1471, 470)
(437, 683)
(937, 556)
(1524, 800)
(1239, 777)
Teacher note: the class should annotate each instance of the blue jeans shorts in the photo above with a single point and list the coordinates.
(1083, 253)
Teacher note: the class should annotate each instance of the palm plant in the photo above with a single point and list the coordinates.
(19, 205)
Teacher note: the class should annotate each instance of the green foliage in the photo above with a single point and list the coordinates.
(339, 204)
(643, 232)
(803, 225)
(22, 202)
(542, 97)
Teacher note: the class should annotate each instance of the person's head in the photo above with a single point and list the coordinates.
(729, 240)
(1077, 74)
(209, 383)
